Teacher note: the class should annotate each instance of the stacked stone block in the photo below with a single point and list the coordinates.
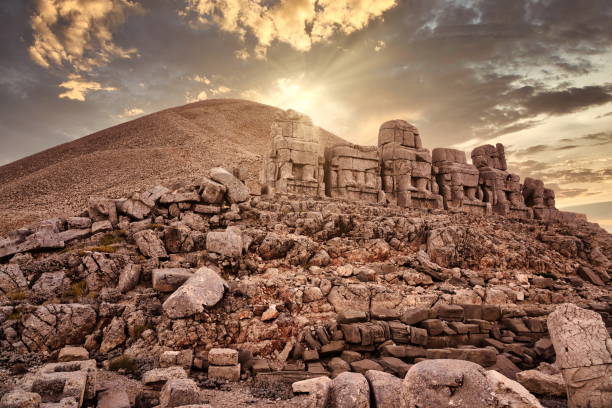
(223, 364)
(294, 163)
(406, 167)
(353, 173)
(458, 181)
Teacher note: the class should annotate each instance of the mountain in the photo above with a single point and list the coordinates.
(170, 146)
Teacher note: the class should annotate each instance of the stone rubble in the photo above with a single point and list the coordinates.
(376, 268)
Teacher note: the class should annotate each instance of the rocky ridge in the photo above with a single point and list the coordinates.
(153, 284)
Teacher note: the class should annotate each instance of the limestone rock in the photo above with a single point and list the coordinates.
(223, 357)
(51, 285)
(447, 383)
(310, 385)
(228, 242)
(180, 392)
(509, 393)
(135, 208)
(71, 353)
(161, 375)
(114, 335)
(542, 383)
(149, 244)
(12, 279)
(20, 399)
(211, 191)
(169, 279)
(204, 289)
(229, 373)
(55, 325)
(129, 277)
(349, 390)
(113, 398)
(584, 353)
(237, 192)
(385, 388)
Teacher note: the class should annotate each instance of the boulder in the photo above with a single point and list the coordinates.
(509, 393)
(584, 354)
(237, 192)
(114, 335)
(228, 242)
(211, 191)
(310, 385)
(447, 383)
(53, 326)
(161, 375)
(20, 399)
(541, 383)
(12, 279)
(149, 244)
(386, 389)
(223, 357)
(71, 353)
(349, 390)
(229, 373)
(113, 398)
(135, 208)
(129, 277)
(169, 279)
(204, 289)
(180, 392)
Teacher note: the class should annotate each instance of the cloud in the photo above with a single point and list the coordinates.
(78, 87)
(190, 98)
(220, 90)
(380, 45)
(568, 100)
(77, 35)
(604, 115)
(78, 32)
(131, 112)
(299, 23)
(203, 79)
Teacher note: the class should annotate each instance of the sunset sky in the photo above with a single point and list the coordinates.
(535, 75)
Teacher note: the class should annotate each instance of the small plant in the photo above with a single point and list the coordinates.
(14, 316)
(17, 295)
(114, 237)
(109, 249)
(123, 362)
(77, 289)
(141, 328)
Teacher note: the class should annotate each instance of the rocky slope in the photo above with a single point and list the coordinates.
(173, 145)
(152, 284)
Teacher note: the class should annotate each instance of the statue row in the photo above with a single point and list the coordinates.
(399, 171)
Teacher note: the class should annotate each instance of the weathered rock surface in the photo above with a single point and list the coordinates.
(149, 244)
(385, 388)
(584, 355)
(204, 289)
(180, 392)
(442, 383)
(228, 242)
(349, 390)
(236, 190)
(56, 325)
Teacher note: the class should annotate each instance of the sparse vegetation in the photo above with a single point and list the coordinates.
(123, 362)
(14, 316)
(17, 295)
(114, 237)
(77, 289)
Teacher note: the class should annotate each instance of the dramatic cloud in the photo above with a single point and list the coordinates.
(78, 88)
(78, 32)
(299, 23)
(77, 35)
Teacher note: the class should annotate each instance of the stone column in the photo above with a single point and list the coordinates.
(584, 355)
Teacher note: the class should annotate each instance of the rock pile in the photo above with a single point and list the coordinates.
(171, 284)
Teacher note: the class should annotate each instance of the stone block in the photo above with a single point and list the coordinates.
(229, 373)
(223, 357)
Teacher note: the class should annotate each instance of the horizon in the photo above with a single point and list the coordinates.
(532, 75)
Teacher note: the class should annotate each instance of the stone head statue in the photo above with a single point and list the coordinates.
(400, 132)
(490, 156)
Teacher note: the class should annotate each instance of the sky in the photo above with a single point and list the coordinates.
(535, 75)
